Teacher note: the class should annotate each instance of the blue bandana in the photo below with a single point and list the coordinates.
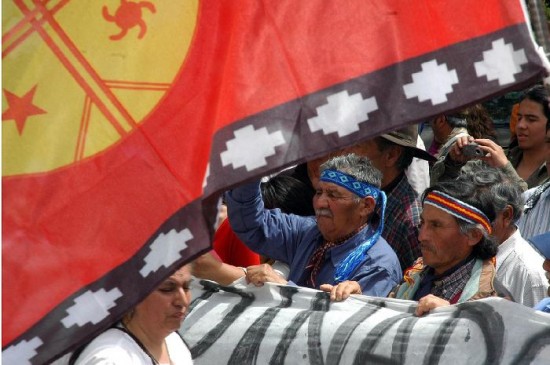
(361, 189)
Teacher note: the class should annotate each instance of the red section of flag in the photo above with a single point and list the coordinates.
(65, 229)
(272, 52)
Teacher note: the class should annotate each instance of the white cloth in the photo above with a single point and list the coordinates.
(537, 220)
(519, 269)
(418, 172)
(114, 347)
(281, 268)
(282, 325)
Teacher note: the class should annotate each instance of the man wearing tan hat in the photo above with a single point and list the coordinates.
(392, 153)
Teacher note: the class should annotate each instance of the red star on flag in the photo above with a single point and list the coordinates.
(20, 108)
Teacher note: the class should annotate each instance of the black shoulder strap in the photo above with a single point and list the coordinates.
(136, 340)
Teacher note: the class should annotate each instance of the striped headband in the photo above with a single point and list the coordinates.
(359, 188)
(458, 209)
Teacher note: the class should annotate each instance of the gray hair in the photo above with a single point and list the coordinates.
(497, 185)
(361, 168)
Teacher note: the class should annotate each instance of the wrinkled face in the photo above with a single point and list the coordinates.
(531, 125)
(337, 210)
(163, 311)
(442, 243)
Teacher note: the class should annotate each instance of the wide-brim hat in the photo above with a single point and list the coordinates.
(542, 243)
(407, 137)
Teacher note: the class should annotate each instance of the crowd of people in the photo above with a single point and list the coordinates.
(462, 220)
(464, 229)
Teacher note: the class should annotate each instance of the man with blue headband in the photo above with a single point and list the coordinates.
(342, 243)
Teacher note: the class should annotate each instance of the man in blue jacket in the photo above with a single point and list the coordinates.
(341, 243)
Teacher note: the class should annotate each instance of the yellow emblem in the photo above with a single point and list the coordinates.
(79, 76)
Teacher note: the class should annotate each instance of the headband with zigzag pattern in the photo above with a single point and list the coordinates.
(359, 188)
(458, 209)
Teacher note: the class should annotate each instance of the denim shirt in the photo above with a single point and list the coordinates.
(293, 239)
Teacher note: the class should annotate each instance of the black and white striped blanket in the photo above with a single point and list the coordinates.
(290, 325)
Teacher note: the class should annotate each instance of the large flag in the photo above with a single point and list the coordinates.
(123, 121)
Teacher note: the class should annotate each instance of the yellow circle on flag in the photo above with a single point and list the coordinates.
(79, 76)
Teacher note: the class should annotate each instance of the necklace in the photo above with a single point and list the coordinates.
(154, 361)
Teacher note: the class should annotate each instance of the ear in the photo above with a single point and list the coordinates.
(392, 154)
(508, 215)
(440, 120)
(474, 236)
(367, 206)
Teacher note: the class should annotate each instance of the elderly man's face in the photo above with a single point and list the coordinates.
(337, 210)
(442, 243)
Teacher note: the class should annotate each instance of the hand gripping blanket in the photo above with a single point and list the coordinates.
(293, 325)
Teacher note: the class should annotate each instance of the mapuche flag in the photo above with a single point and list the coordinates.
(123, 121)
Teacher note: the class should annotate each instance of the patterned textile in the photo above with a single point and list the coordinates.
(401, 222)
(535, 197)
(276, 324)
(318, 258)
(458, 209)
(359, 188)
(536, 216)
(478, 285)
(413, 271)
(449, 287)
